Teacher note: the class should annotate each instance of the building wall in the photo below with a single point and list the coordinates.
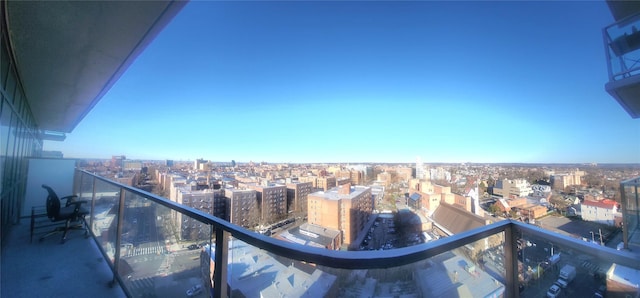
(325, 183)
(414, 184)
(210, 201)
(516, 187)
(357, 177)
(324, 212)
(404, 174)
(347, 211)
(441, 189)
(242, 207)
(534, 211)
(515, 202)
(272, 202)
(448, 198)
(297, 196)
(19, 139)
(342, 181)
(561, 181)
(384, 178)
(131, 165)
(598, 214)
(463, 202)
(312, 179)
(431, 201)
(426, 187)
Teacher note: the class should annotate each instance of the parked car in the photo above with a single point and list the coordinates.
(192, 246)
(195, 290)
(554, 291)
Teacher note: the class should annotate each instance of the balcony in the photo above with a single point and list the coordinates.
(135, 250)
(630, 208)
(622, 42)
(136, 246)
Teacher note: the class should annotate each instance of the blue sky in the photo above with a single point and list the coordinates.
(367, 82)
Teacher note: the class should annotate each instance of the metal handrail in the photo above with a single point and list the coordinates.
(389, 258)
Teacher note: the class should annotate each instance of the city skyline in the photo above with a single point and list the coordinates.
(478, 82)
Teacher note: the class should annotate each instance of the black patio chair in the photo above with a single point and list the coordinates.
(72, 213)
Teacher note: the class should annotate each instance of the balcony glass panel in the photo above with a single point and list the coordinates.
(473, 270)
(552, 269)
(623, 45)
(631, 210)
(157, 258)
(104, 217)
(149, 245)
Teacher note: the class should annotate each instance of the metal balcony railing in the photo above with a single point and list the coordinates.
(622, 43)
(140, 234)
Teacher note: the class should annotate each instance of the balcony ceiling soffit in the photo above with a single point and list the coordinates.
(69, 53)
(622, 9)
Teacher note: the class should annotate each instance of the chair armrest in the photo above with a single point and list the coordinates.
(72, 197)
(69, 199)
(77, 204)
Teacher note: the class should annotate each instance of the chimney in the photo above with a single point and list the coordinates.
(345, 189)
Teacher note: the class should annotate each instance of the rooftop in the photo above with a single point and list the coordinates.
(334, 193)
(606, 203)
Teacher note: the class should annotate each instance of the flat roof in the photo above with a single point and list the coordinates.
(452, 275)
(333, 194)
(311, 235)
(624, 275)
(256, 273)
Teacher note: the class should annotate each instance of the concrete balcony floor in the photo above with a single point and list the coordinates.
(50, 269)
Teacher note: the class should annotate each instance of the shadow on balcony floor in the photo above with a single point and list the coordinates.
(50, 269)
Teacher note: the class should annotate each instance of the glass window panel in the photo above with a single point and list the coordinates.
(4, 65)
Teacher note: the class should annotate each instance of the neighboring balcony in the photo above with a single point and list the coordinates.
(622, 43)
(630, 203)
(138, 235)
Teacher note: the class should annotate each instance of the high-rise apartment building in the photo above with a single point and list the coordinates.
(384, 179)
(421, 173)
(297, 195)
(242, 207)
(325, 183)
(516, 187)
(421, 185)
(116, 161)
(355, 177)
(342, 181)
(200, 164)
(131, 165)
(210, 201)
(439, 173)
(561, 181)
(272, 202)
(345, 208)
(404, 174)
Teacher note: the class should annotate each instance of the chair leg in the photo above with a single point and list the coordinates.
(66, 229)
(83, 222)
(51, 233)
(69, 224)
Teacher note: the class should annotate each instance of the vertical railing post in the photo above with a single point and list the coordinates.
(625, 222)
(93, 204)
(607, 41)
(120, 220)
(511, 261)
(636, 182)
(220, 267)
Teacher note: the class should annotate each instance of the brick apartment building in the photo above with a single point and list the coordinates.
(345, 208)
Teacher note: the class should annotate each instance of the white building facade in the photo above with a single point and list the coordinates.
(603, 211)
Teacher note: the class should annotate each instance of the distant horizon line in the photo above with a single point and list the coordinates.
(375, 162)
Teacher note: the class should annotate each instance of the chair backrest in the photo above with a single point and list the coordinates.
(53, 203)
